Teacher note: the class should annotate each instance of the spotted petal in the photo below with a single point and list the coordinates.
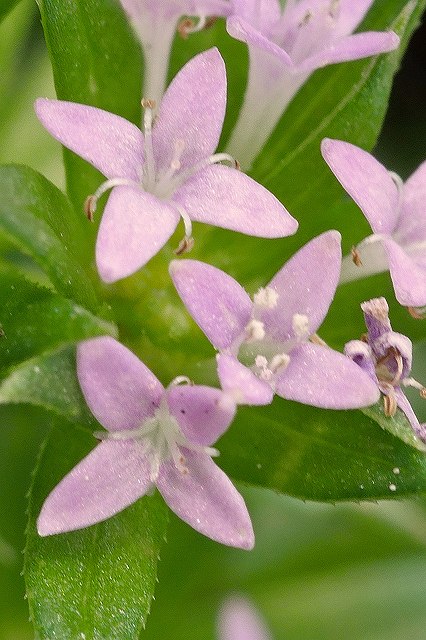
(354, 47)
(244, 386)
(366, 181)
(227, 198)
(192, 111)
(110, 143)
(305, 285)
(120, 390)
(110, 478)
(203, 413)
(321, 377)
(207, 500)
(408, 275)
(134, 227)
(240, 621)
(218, 304)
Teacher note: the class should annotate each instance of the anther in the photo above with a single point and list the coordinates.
(90, 207)
(356, 258)
(300, 323)
(148, 104)
(184, 246)
(255, 331)
(266, 297)
(389, 405)
(416, 313)
(179, 380)
(306, 19)
(333, 9)
(185, 27)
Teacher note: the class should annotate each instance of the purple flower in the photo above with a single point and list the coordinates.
(155, 437)
(167, 173)
(285, 47)
(269, 345)
(386, 356)
(238, 620)
(396, 213)
(154, 22)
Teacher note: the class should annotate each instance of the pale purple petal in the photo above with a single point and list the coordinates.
(225, 197)
(405, 406)
(207, 500)
(110, 478)
(203, 413)
(305, 285)
(135, 225)
(239, 620)
(376, 316)
(120, 390)
(412, 221)
(243, 384)
(366, 181)
(218, 304)
(241, 30)
(322, 377)
(110, 143)
(360, 352)
(192, 111)
(261, 14)
(350, 14)
(354, 47)
(408, 275)
(165, 10)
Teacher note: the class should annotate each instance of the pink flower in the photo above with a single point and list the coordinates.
(166, 173)
(238, 620)
(155, 437)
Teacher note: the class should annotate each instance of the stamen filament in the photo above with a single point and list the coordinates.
(149, 106)
(92, 200)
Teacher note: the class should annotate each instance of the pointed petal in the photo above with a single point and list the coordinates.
(322, 377)
(227, 198)
(218, 304)
(239, 620)
(192, 111)
(110, 143)
(207, 500)
(241, 30)
(305, 285)
(412, 221)
(354, 47)
(405, 406)
(120, 390)
(135, 225)
(203, 413)
(243, 384)
(367, 182)
(408, 275)
(110, 478)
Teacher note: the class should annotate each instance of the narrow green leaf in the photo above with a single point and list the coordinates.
(96, 583)
(37, 218)
(36, 320)
(6, 6)
(317, 454)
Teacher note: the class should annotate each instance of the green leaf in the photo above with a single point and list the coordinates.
(317, 454)
(95, 583)
(6, 6)
(37, 218)
(36, 320)
(95, 61)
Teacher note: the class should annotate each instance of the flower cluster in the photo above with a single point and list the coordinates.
(169, 170)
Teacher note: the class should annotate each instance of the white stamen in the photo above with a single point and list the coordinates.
(148, 106)
(281, 360)
(300, 325)
(261, 362)
(411, 382)
(255, 330)
(266, 298)
(92, 201)
(179, 380)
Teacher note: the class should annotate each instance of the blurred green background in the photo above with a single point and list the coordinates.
(318, 571)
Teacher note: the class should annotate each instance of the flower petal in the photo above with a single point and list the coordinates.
(354, 47)
(412, 221)
(203, 413)
(110, 143)
(218, 304)
(207, 500)
(260, 13)
(120, 390)
(322, 377)
(367, 182)
(239, 620)
(110, 478)
(244, 386)
(305, 286)
(192, 111)
(227, 198)
(135, 225)
(408, 275)
(241, 30)
(350, 14)
(405, 406)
